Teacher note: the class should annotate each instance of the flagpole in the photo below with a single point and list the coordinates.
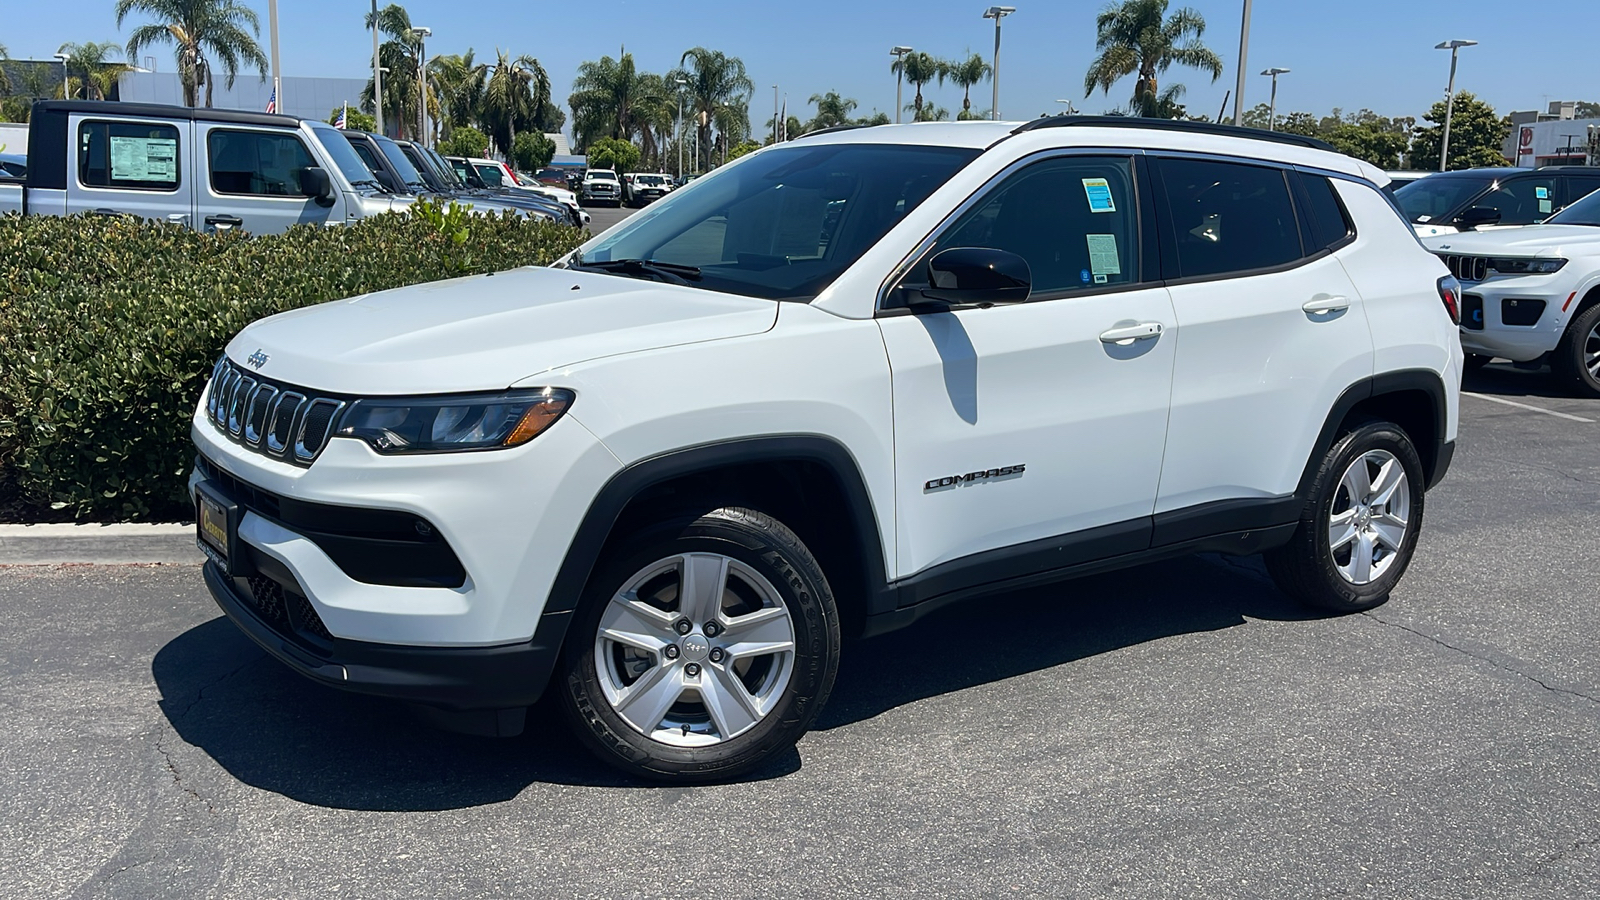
(272, 25)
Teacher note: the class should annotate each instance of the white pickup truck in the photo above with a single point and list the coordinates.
(210, 169)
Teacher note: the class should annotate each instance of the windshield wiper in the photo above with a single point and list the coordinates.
(672, 273)
(372, 181)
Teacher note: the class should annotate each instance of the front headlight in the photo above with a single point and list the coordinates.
(1526, 266)
(454, 422)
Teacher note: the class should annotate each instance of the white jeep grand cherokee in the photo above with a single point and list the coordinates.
(1533, 293)
(834, 385)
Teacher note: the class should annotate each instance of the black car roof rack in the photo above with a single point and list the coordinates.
(163, 111)
(1277, 137)
(831, 129)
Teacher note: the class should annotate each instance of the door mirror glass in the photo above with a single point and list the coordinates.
(1477, 217)
(314, 182)
(978, 275)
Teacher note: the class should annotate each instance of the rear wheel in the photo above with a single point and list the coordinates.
(1577, 357)
(1359, 525)
(702, 647)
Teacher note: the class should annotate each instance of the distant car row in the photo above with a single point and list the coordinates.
(216, 170)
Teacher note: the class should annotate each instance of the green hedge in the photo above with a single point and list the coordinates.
(109, 328)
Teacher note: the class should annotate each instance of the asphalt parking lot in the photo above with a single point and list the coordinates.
(1179, 731)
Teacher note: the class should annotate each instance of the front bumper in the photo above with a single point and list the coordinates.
(1520, 319)
(465, 678)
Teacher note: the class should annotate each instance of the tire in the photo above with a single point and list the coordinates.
(1474, 362)
(1328, 574)
(740, 708)
(1577, 357)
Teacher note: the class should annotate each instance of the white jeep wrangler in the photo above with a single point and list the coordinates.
(836, 384)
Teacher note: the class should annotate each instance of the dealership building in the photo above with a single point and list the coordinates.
(1553, 138)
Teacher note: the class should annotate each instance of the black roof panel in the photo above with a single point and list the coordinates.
(164, 111)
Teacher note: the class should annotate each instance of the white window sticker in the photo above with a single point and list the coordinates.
(144, 159)
(1099, 193)
(1103, 258)
(1546, 205)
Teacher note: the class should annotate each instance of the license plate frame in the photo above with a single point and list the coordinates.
(216, 522)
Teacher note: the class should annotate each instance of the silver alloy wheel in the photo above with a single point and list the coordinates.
(695, 649)
(1369, 517)
(1591, 352)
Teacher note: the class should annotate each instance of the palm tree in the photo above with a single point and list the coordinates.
(398, 54)
(832, 110)
(87, 64)
(919, 68)
(196, 28)
(5, 80)
(719, 94)
(656, 114)
(930, 112)
(964, 74)
(513, 96)
(610, 98)
(1138, 37)
(458, 81)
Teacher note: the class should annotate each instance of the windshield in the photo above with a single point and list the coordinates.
(603, 173)
(784, 223)
(446, 170)
(1583, 212)
(648, 179)
(345, 159)
(402, 166)
(1432, 198)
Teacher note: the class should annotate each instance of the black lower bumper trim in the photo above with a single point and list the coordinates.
(499, 677)
(1441, 462)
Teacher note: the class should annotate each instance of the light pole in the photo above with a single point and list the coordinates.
(1244, 53)
(1272, 113)
(377, 71)
(996, 13)
(66, 86)
(899, 54)
(1450, 96)
(422, 34)
(682, 83)
(1071, 110)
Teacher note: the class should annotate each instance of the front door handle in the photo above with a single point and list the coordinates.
(1323, 303)
(178, 218)
(224, 221)
(108, 213)
(1127, 334)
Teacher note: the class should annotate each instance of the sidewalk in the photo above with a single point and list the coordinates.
(34, 545)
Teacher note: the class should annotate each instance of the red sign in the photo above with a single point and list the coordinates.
(1527, 141)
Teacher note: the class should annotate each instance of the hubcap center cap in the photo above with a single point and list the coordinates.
(695, 647)
(1364, 518)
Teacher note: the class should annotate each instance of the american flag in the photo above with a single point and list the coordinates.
(340, 122)
(272, 102)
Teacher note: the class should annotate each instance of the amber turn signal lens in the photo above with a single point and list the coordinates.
(539, 416)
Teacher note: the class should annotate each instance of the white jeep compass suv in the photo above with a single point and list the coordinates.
(836, 384)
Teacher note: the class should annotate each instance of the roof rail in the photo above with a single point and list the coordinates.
(1277, 137)
(831, 130)
(1570, 166)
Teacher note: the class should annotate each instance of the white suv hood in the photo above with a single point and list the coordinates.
(1530, 240)
(487, 332)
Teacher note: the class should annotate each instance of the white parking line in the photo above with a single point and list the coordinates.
(1537, 409)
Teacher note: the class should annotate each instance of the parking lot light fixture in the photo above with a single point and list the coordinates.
(899, 53)
(66, 86)
(1272, 108)
(1244, 55)
(1450, 96)
(996, 13)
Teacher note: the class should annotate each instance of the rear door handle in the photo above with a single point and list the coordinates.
(225, 220)
(1127, 334)
(109, 213)
(1326, 304)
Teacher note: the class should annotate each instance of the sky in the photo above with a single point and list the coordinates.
(1352, 54)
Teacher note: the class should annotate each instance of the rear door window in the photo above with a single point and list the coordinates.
(257, 163)
(1327, 223)
(1228, 217)
(140, 156)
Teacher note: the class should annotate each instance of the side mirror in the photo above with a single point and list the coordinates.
(1477, 217)
(315, 182)
(978, 275)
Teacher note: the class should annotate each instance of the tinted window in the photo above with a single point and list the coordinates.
(137, 155)
(785, 222)
(491, 175)
(1583, 212)
(1581, 186)
(1325, 214)
(257, 163)
(368, 157)
(1522, 201)
(1229, 217)
(1437, 196)
(402, 166)
(351, 166)
(1075, 220)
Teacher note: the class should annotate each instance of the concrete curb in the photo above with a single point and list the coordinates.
(42, 545)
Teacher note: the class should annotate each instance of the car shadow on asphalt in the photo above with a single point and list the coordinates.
(1503, 379)
(279, 732)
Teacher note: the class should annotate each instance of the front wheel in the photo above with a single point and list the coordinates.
(1577, 357)
(702, 647)
(1359, 525)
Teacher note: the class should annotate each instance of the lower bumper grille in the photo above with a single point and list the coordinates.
(280, 602)
(1472, 312)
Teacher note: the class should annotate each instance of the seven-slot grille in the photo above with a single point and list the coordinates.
(1467, 268)
(270, 418)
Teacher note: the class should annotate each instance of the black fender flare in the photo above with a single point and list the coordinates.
(1435, 459)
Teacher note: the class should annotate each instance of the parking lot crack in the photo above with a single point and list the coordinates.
(201, 694)
(177, 777)
(1545, 864)
(1497, 663)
